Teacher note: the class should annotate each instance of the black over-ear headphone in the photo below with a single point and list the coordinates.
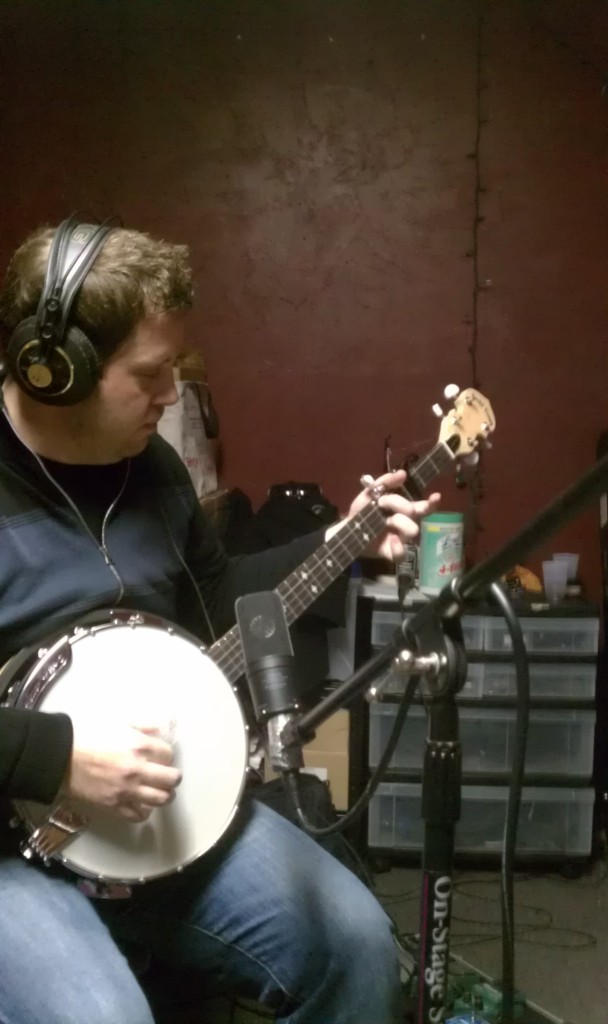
(51, 359)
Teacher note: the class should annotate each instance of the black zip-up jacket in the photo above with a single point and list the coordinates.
(59, 563)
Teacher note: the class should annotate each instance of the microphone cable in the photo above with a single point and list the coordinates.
(291, 778)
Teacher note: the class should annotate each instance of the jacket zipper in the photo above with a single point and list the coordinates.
(103, 546)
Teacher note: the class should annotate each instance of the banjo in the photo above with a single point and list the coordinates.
(133, 661)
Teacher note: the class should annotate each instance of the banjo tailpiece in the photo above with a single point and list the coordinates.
(60, 828)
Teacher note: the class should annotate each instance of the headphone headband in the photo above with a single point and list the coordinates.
(75, 248)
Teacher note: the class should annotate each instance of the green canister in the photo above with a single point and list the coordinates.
(441, 550)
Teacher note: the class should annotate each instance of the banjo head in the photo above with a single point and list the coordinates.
(144, 671)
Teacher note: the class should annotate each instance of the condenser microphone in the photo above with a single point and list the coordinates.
(270, 669)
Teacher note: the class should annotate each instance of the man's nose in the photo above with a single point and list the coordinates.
(169, 394)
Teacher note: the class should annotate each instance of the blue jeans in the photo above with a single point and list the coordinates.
(267, 914)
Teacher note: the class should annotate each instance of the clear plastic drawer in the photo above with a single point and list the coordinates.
(551, 821)
(473, 632)
(565, 681)
(385, 623)
(560, 743)
(545, 635)
(568, 681)
(393, 683)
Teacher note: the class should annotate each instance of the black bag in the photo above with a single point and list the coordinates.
(318, 809)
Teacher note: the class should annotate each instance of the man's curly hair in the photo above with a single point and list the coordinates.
(133, 277)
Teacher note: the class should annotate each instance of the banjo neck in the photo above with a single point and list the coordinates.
(306, 583)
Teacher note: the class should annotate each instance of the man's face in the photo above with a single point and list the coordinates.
(136, 385)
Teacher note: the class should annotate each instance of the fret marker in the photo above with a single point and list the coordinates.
(366, 536)
(329, 563)
(304, 575)
(314, 588)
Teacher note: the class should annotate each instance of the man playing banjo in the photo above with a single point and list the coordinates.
(97, 512)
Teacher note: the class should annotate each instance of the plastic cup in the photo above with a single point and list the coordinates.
(555, 578)
(571, 559)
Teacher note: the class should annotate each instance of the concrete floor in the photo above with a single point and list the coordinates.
(561, 951)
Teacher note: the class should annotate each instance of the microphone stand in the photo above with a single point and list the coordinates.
(427, 645)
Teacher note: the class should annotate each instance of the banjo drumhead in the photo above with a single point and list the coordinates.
(146, 675)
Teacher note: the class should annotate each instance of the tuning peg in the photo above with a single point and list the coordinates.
(451, 391)
(437, 410)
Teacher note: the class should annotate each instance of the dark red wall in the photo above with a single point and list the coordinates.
(381, 197)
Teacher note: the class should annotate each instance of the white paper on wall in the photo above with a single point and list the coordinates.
(182, 426)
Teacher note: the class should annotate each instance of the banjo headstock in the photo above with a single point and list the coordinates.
(468, 424)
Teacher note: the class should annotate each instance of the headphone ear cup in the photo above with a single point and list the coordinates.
(22, 344)
(68, 376)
